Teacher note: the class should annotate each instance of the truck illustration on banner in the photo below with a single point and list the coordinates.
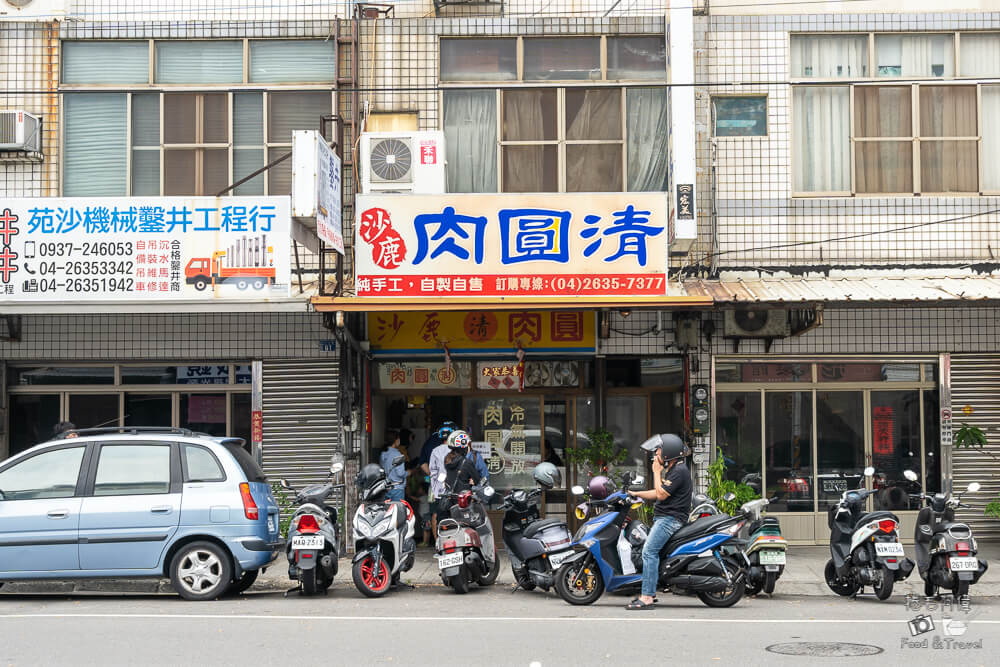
(247, 263)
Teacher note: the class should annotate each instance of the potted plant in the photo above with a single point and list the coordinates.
(719, 486)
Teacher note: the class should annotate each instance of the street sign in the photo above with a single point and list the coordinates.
(316, 183)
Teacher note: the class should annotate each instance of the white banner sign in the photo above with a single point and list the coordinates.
(316, 176)
(461, 245)
(144, 248)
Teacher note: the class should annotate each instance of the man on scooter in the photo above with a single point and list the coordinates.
(672, 495)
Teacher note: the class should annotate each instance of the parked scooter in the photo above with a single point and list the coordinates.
(384, 534)
(313, 544)
(946, 550)
(536, 547)
(760, 540)
(465, 548)
(865, 548)
(609, 553)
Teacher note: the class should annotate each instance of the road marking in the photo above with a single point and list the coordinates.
(532, 619)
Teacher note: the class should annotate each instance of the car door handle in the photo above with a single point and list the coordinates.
(58, 514)
(161, 509)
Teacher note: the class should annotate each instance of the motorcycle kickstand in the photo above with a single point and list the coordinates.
(293, 590)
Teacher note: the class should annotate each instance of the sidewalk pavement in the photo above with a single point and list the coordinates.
(803, 575)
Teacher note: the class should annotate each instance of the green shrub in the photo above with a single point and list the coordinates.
(719, 486)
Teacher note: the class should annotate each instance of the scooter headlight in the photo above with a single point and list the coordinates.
(383, 526)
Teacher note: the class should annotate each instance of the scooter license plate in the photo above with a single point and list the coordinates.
(888, 549)
(772, 557)
(308, 542)
(450, 560)
(555, 560)
(962, 564)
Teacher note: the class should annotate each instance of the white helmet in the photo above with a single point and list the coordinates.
(459, 440)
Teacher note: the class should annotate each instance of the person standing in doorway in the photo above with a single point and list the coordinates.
(396, 474)
(68, 428)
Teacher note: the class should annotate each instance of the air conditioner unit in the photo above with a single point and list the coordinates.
(32, 10)
(20, 131)
(411, 162)
(756, 323)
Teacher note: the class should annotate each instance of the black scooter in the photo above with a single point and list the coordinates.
(536, 547)
(313, 546)
(865, 548)
(946, 550)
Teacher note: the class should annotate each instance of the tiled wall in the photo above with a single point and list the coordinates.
(759, 223)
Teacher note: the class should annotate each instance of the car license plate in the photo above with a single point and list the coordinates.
(772, 557)
(450, 560)
(888, 549)
(270, 523)
(555, 560)
(308, 542)
(962, 564)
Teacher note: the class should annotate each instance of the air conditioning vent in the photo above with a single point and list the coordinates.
(404, 162)
(391, 160)
(756, 323)
(32, 10)
(20, 131)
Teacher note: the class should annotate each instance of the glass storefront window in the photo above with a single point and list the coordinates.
(739, 423)
(666, 413)
(840, 444)
(775, 372)
(149, 374)
(241, 418)
(661, 372)
(788, 450)
(626, 419)
(205, 413)
(932, 442)
(896, 428)
(148, 410)
(93, 410)
(512, 426)
(32, 417)
(55, 375)
(868, 372)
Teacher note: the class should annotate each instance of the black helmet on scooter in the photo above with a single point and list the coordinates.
(371, 481)
(547, 475)
(670, 446)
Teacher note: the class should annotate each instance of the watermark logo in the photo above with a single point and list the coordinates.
(955, 621)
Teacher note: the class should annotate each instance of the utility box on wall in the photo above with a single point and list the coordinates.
(701, 414)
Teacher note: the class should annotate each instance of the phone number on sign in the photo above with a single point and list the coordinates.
(78, 285)
(510, 285)
(602, 284)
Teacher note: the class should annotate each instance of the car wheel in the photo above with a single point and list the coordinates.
(201, 571)
(200, 284)
(243, 583)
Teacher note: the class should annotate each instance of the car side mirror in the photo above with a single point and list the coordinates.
(398, 461)
(869, 471)
(284, 484)
(973, 487)
(577, 490)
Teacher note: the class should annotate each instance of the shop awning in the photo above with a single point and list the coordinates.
(388, 304)
(866, 290)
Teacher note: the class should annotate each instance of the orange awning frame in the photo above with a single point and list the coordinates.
(326, 304)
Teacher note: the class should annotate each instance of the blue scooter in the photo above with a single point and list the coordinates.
(609, 555)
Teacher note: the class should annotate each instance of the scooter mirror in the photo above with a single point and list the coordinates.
(336, 467)
(729, 497)
(869, 471)
(488, 491)
(284, 483)
(577, 490)
(973, 487)
(638, 481)
(910, 475)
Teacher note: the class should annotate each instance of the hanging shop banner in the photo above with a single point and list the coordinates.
(425, 375)
(144, 248)
(481, 331)
(504, 375)
(475, 245)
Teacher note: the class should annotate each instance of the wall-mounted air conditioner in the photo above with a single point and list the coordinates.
(756, 323)
(20, 131)
(411, 162)
(32, 10)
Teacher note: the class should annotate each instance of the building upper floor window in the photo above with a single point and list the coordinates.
(740, 115)
(119, 143)
(929, 133)
(595, 58)
(569, 138)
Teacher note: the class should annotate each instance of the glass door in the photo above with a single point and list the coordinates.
(508, 432)
(840, 445)
(94, 410)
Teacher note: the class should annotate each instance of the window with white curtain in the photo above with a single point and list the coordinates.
(821, 134)
(990, 96)
(980, 54)
(914, 55)
(829, 56)
(556, 139)
(210, 137)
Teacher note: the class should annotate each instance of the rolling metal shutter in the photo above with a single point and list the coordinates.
(301, 428)
(975, 381)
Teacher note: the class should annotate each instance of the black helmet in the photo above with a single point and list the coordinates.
(369, 474)
(547, 475)
(670, 445)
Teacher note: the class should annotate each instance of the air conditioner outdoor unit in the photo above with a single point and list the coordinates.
(410, 162)
(32, 10)
(20, 131)
(756, 323)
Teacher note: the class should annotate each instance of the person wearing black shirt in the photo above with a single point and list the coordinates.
(672, 495)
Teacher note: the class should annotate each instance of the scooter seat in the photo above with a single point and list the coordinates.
(875, 516)
(539, 526)
(697, 528)
(944, 526)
